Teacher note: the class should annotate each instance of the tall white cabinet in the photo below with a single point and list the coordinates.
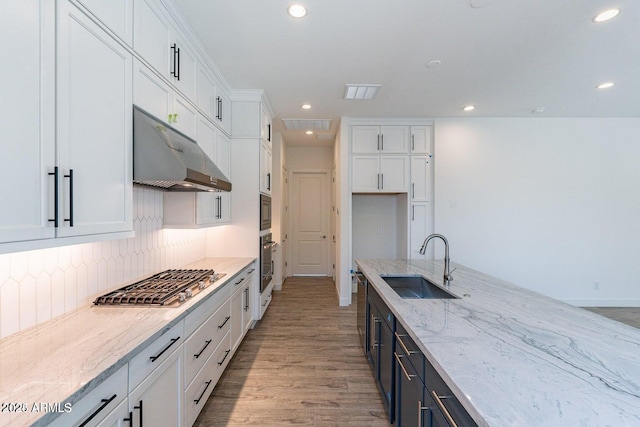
(392, 177)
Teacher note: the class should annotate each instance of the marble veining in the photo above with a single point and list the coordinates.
(515, 357)
(63, 359)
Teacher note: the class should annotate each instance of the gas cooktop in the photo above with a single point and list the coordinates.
(166, 289)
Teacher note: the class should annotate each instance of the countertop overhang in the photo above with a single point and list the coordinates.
(515, 357)
(62, 360)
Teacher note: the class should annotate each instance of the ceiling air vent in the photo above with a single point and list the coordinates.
(307, 124)
(361, 91)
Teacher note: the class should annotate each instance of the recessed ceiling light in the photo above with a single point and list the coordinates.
(309, 132)
(469, 108)
(434, 64)
(306, 106)
(606, 15)
(361, 91)
(297, 11)
(606, 85)
(538, 110)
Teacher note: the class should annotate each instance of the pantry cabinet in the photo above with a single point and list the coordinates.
(421, 141)
(266, 177)
(421, 182)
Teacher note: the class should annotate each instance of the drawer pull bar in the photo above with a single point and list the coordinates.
(226, 353)
(443, 409)
(239, 281)
(225, 322)
(197, 401)
(206, 344)
(406, 373)
(104, 402)
(420, 409)
(404, 347)
(140, 408)
(156, 357)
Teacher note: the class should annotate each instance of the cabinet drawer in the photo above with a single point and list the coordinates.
(98, 403)
(408, 351)
(202, 343)
(445, 403)
(153, 355)
(206, 309)
(196, 395)
(385, 314)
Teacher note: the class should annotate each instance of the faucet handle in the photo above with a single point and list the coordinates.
(450, 276)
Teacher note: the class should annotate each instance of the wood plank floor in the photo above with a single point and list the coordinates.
(301, 365)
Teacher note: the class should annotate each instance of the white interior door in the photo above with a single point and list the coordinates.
(310, 223)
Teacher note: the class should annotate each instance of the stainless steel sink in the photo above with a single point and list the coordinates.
(416, 287)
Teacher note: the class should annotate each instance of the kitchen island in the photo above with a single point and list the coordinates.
(45, 370)
(514, 357)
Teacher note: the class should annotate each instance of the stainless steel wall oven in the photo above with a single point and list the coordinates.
(266, 263)
(265, 212)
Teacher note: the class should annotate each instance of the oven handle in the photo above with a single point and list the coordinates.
(270, 244)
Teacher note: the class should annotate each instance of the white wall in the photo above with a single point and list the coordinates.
(549, 204)
(309, 158)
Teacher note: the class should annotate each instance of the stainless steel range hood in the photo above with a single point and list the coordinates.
(166, 158)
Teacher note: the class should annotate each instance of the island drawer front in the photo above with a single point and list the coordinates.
(443, 397)
(199, 346)
(154, 354)
(384, 311)
(409, 351)
(96, 404)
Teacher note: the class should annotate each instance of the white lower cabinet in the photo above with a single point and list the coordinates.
(98, 407)
(119, 417)
(156, 401)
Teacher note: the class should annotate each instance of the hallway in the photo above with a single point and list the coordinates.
(301, 365)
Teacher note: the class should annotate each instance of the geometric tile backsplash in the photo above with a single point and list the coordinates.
(36, 286)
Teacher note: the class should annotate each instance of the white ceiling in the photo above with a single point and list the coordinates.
(506, 57)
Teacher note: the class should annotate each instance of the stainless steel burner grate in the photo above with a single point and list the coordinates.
(167, 288)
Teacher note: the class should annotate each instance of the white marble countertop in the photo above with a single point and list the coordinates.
(65, 358)
(517, 358)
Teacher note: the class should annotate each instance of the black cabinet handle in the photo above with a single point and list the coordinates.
(129, 419)
(197, 401)
(139, 407)
(156, 357)
(55, 196)
(269, 181)
(176, 61)
(219, 114)
(70, 219)
(104, 402)
(226, 353)
(206, 344)
(269, 132)
(239, 281)
(382, 141)
(225, 322)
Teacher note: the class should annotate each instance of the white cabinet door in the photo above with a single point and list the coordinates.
(394, 174)
(117, 15)
(420, 226)
(237, 309)
(394, 139)
(247, 309)
(119, 417)
(152, 35)
(150, 93)
(28, 125)
(380, 139)
(420, 178)
(94, 127)
(421, 139)
(206, 95)
(185, 116)
(374, 174)
(365, 139)
(266, 178)
(224, 112)
(156, 401)
(183, 66)
(365, 172)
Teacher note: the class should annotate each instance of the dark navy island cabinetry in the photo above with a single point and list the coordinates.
(413, 392)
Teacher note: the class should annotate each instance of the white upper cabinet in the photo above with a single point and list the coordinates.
(28, 113)
(421, 139)
(95, 130)
(421, 182)
(116, 15)
(380, 139)
(206, 96)
(163, 47)
(380, 174)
